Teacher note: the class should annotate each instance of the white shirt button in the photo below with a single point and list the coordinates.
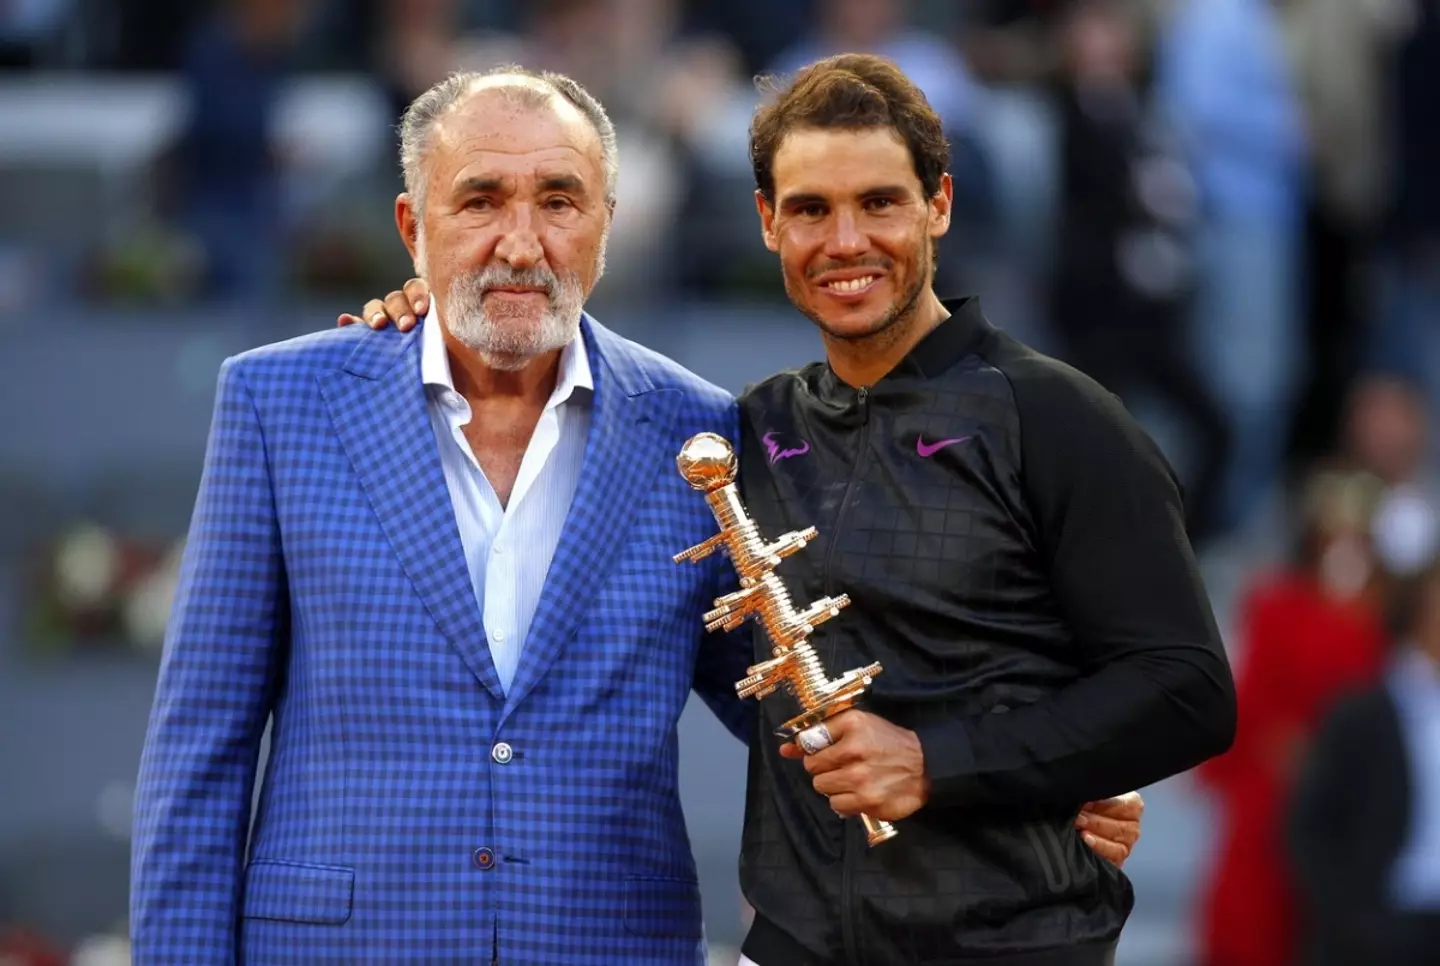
(498, 635)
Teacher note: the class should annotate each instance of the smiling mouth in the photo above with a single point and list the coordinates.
(851, 285)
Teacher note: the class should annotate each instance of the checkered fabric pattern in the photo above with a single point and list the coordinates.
(411, 811)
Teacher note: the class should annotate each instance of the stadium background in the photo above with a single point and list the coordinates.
(180, 181)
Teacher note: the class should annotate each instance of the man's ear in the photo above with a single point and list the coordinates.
(407, 221)
(767, 221)
(941, 205)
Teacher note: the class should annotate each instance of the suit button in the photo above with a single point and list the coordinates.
(483, 859)
(502, 753)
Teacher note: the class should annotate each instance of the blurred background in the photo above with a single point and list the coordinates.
(1228, 211)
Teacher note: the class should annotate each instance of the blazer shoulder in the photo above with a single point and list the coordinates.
(306, 355)
(645, 369)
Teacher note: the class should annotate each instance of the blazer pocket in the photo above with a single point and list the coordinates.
(296, 892)
(656, 906)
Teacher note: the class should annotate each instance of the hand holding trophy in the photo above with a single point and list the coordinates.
(707, 462)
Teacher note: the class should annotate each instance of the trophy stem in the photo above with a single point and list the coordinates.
(734, 523)
(810, 677)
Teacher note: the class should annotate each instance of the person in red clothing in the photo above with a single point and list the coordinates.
(1310, 632)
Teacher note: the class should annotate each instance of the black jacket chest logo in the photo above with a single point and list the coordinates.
(926, 448)
(783, 446)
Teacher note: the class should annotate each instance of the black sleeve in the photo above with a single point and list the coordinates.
(1155, 695)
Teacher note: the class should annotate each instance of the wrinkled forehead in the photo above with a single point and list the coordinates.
(513, 127)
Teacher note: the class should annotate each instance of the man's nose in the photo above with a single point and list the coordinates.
(846, 239)
(519, 245)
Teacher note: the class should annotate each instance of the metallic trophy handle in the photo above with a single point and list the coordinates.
(707, 462)
(812, 736)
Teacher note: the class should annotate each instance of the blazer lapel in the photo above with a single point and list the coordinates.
(623, 455)
(377, 404)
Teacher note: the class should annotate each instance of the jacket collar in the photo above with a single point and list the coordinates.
(960, 334)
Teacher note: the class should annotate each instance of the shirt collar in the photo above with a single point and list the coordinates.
(961, 333)
(435, 362)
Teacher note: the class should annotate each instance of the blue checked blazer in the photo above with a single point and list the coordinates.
(324, 584)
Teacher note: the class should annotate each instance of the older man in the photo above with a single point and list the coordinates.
(439, 563)
(1014, 550)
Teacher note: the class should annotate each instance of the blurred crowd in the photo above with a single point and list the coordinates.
(1230, 208)
(1328, 845)
(1227, 211)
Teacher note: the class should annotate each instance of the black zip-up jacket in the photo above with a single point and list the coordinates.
(1013, 547)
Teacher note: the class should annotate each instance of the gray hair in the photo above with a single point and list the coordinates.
(417, 127)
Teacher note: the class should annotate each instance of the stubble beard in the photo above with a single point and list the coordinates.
(889, 329)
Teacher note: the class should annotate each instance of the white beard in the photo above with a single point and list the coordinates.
(507, 341)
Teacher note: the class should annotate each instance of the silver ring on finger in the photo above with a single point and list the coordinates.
(816, 738)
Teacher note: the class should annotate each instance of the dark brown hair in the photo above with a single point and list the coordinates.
(850, 92)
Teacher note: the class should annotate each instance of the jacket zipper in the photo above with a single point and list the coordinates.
(863, 397)
(847, 848)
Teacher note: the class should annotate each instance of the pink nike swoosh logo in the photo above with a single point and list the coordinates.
(930, 449)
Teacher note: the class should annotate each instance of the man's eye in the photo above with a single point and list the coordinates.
(878, 204)
(558, 204)
(480, 204)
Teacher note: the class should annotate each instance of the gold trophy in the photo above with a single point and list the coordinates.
(707, 462)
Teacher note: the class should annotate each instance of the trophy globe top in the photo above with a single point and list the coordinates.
(707, 461)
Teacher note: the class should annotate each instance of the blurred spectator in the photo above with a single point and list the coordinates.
(1409, 341)
(760, 29)
(1308, 634)
(1364, 827)
(417, 48)
(235, 63)
(1226, 85)
(1010, 41)
(1386, 432)
(1339, 52)
(1013, 41)
(883, 27)
(1123, 269)
(1386, 429)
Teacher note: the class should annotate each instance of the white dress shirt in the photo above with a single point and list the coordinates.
(508, 549)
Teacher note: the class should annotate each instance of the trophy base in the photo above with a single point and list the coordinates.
(877, 832)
